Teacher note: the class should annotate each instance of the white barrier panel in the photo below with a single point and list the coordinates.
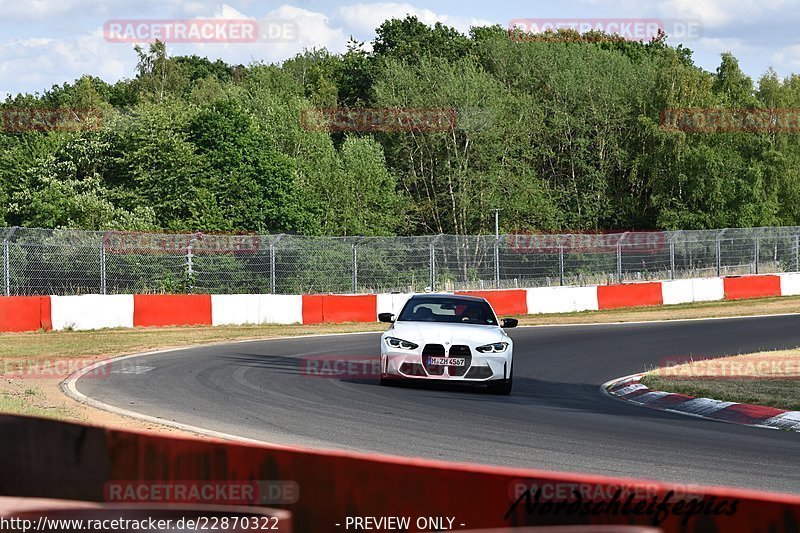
(561, 299)
(280, 309)
(679, 291)
(240, 309)
(234, 309)
(790, 284)
(92, 311)
(708, 289)
(392, 303)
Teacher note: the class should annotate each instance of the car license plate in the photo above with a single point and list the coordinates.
(447, 361)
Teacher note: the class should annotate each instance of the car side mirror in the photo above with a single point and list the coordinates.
(509, 322)
(386, 317)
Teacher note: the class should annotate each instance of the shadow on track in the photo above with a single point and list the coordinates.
(528, 393)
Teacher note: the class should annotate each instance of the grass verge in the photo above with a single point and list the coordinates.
(32, 402)
(765, 378)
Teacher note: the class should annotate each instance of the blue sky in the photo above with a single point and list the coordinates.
(46, 42)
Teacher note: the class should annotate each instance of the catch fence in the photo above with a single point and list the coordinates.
(60, 262)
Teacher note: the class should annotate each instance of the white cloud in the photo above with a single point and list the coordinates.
(34, 64)
(787, 58)
(37, 64)
(712, 13)
(14, 10)
(308, 29)
(364, 18)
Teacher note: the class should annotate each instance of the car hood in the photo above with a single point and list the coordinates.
(437, 332)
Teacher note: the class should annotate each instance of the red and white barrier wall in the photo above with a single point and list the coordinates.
(93, 311)
(51, 459)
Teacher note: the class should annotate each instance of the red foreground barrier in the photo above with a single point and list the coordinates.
(504, 302)
(319, 308)
(171, 310)
(739, 288)
(629, 295)
(46, 458)
(65, 516)
(25, 313)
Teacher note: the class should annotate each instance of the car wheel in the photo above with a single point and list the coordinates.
(503, 386)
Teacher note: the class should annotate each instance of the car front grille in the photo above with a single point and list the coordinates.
(460, 350)
(433, 350)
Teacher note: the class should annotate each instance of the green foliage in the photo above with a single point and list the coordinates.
(562, 131)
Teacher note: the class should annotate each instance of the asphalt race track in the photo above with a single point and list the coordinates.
(555, 419)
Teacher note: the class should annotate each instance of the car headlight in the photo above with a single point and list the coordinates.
(496, 347)
(394, 342)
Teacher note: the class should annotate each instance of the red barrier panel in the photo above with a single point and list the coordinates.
(25, 313)
(504, 302)
(319, 308)
(47, 458)
(629, 295)
(738, 288)
(312, 309)
(46, 318)
(171, 309)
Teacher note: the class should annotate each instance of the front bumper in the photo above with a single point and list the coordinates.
(481, 367)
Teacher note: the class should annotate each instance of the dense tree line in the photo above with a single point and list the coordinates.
(563, 132)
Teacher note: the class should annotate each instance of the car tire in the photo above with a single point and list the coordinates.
(503, 387)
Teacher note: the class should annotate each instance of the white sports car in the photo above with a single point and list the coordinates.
(448, 337)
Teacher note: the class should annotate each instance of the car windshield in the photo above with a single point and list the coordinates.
(448, 310)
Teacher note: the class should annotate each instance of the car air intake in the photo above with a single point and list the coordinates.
(479, 372)
(412, 369)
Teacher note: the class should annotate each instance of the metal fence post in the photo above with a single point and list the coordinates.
(6, 276)
(561, 263)
(355, 267)
(497, 262)
(7, 261)
(672, 255)
(432, 251)
(272, 246)
(432, 268)
(718, 242)
(619, 257)
(103, 265)
(190, 263)
(797, 253)
(756, 251)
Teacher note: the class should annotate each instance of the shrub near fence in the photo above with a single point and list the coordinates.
(61, 262)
